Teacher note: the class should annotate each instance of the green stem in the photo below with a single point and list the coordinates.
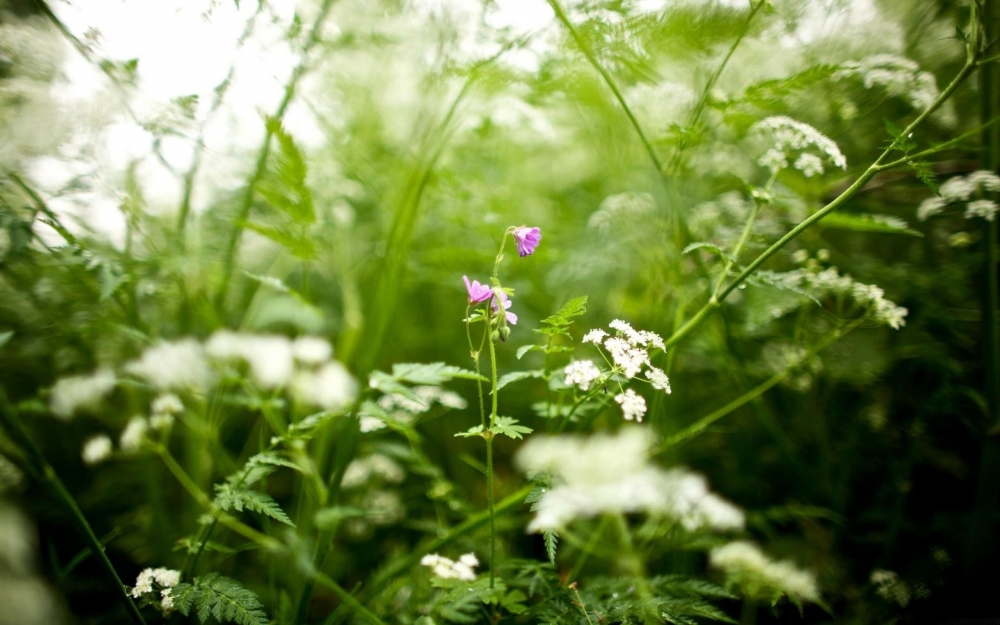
(836, 203)
(41, 467)
(702, 424)
(488, 433)
(591, 545)
(636, 570)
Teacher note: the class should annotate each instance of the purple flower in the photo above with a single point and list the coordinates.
(527, 239)
(511, 317)
(477, 292)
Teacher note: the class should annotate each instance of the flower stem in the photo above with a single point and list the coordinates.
(42, 468)
(488, 433)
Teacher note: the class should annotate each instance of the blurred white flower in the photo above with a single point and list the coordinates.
(809, 164)
(74, 393)
(179, 365)
(331, 386)
(890, 587)
(659, 379)
(446, 568)
(131, 437)
(633, 405)
(611, 473)
(987, 209)
(759, 576)
(96, 449)
(168, 404)
(790, 136)
(311, 350)
(375, 465)
(369, 423)
(268, 356)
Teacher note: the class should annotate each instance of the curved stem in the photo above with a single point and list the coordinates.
(41, 468)
(488, 433)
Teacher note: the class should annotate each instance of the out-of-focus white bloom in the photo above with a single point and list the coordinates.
(268, 356)
(809, 164)
(165, 578)
(622, 208)
(899, 76)
(131, 437)
(96, 449)
(792, 136)
(890, 587)
(633, 405)
(312, 350)
(11, 477)
(384, 507)
(446, 568)
(74, 393)
(368, 423)
(930, 207)
(658, 379)
(594, 336)
(581, 373)
(987, 209)
(169, 404)
(331, 386)
(395, 401)
(759, 576)
(961, 188)
(448, 399)
(773, 159)
(375, 465)
(166, 600)
(173, 366)
(161, 421)
(611, 473)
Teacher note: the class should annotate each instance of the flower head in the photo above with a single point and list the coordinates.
(527, 239)
(477, 292)
(633, 405)
(511, 317)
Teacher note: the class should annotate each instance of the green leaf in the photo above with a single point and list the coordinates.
(869, 222)
(564, 317)
(5, 337)
(515, 376)
(228, 497)
(298, 245)
(221, 598)
(285, 186)
(524, 349)
(708, 247)
(925, 174)
(329, 518)
(551, 542)
(431, 374)
(475, 431)
(508, 426)
(771, 93)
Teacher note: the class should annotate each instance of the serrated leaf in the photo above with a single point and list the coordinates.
(219, 597)
(431, 374)
(474, 431)
(515, 376)
(285, 186)
(298, 245)
(869, 222)
(551, 543)
(565, 315)
(508, 426)
(524, 349)
(925, 174)
(773, 92)
(229, 497)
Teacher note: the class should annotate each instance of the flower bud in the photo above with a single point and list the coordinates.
(495, 336)
(504, 333)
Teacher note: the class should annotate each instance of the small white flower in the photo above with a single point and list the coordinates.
(748, 566)
(594, 336)
(581, 373)
(331, 387)
(71, 394)
(143, 583)
(773, 159)
(469, 559)
(166, 600)
(658, 379)
(161, 421)
(96, 449)
(311, 350)
(987, 209)
(131, 437)
(446, 568)
(169, 404)
(168, 578)
(622, 327)
(809, 164)
(633, 405)
(371, 424)
(173, 366)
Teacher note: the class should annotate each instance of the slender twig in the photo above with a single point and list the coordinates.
(41, 468)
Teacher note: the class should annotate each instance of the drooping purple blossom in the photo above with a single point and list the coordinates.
(527, 239)
(511, 317)
(477, 292)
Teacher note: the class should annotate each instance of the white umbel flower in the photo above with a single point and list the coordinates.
(446, 568)
(658, 379)
(173, 366)
(987, 209)
(633, 405)
(312, 350)
(72, 394)
(791, 136)
(131, 437)
(595, 336)
(331, 387)
(761, 577)
(581, 373)
(96, 449)
(163, 577)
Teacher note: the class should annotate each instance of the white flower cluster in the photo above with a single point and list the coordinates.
(165, 579)
(581, 373)
(179, 365)
(611, 473)
(962, 189)
(761, 577)
(445, 568)
(96, 449)
(790, 137)
(633, 405)
(899, 76)
(628, 207)
(374, 466)
(890, 587)
(75, 393)
(830, 280)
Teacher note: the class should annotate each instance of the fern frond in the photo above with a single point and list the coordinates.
(221, 598)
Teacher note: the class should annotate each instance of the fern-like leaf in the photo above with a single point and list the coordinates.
(221, 598)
